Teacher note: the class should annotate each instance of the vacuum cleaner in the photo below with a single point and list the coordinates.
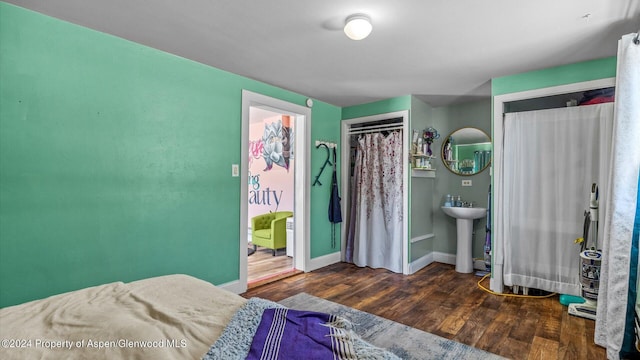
(590, 262)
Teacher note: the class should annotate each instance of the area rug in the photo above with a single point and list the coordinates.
(404, 341)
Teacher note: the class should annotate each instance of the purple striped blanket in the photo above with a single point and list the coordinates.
(286, 334)
(265, 330)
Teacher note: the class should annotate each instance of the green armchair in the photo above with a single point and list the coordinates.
(270, 230)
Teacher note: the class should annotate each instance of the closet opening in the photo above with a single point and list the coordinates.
(577, 98)
(374, 182)
(569, 95)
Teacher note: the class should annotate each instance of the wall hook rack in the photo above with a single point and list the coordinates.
(320, 144)
(329, 144)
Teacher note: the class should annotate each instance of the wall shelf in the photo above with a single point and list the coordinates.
(423, 172)
(423, 156)
(418, 168)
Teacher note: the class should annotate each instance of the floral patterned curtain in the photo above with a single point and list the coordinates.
(375, 222)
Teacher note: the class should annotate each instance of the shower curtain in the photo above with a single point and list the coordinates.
(551, 158)
(375, 223)
(618, 281)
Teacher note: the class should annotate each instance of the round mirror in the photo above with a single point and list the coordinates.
(466, 151)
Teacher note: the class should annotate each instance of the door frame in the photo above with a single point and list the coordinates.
(496, 282)
(302, 131)
(345, 171)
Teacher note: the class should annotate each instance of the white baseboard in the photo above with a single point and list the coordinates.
(444, 258)
(451, 260)
(322, 261)
(420, 263)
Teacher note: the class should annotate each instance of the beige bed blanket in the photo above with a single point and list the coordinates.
(167, 317)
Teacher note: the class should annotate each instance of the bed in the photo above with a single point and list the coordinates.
(167, 317)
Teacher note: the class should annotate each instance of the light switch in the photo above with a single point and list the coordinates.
(235, 170)
(466, 182)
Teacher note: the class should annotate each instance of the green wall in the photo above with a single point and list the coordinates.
(555, 76)
(448, 119)
(115, 161)
(326, 127)
(421, 190)
(399, 103)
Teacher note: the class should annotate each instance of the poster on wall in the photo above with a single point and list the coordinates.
(271, 162)
(276, 146)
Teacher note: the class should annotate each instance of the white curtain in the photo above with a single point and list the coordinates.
(376, 215)
(619, 264)
(551, 158)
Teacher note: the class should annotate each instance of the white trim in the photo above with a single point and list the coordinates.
(444, 258)
(554, 90)
(497, 282)
(322, 261)
(302, 184)
(345, 172)
(450, 259)
(422, 237)
(435, 256)
(420, 263)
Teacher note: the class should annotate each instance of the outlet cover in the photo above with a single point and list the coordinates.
(466, 183)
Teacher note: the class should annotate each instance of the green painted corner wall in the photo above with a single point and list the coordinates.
(115, 161)
(555, 76)
(421, 190)
(447, 119)
(399, 103)
(326, 128)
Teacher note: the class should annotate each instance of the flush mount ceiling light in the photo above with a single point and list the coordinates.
(357, 26)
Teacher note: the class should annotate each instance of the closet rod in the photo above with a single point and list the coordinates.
(376, 126)
(376, 129)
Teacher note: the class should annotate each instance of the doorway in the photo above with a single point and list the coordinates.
(274, 182)
(502, 104)
(271, 164)
(381, 122)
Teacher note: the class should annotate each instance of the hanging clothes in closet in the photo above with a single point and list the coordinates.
(376, 207)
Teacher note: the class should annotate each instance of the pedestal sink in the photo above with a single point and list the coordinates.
(464, 222)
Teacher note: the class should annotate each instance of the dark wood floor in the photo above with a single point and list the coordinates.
(441, 301)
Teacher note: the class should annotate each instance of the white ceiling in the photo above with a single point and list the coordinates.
(443, 51)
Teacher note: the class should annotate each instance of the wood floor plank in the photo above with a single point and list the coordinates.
(497, 331)
(476, 325)
(573, 338)
(550, 328)
(443, 302)
(543, 349)
(525, 328)
(455, 321)
(513, 349)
